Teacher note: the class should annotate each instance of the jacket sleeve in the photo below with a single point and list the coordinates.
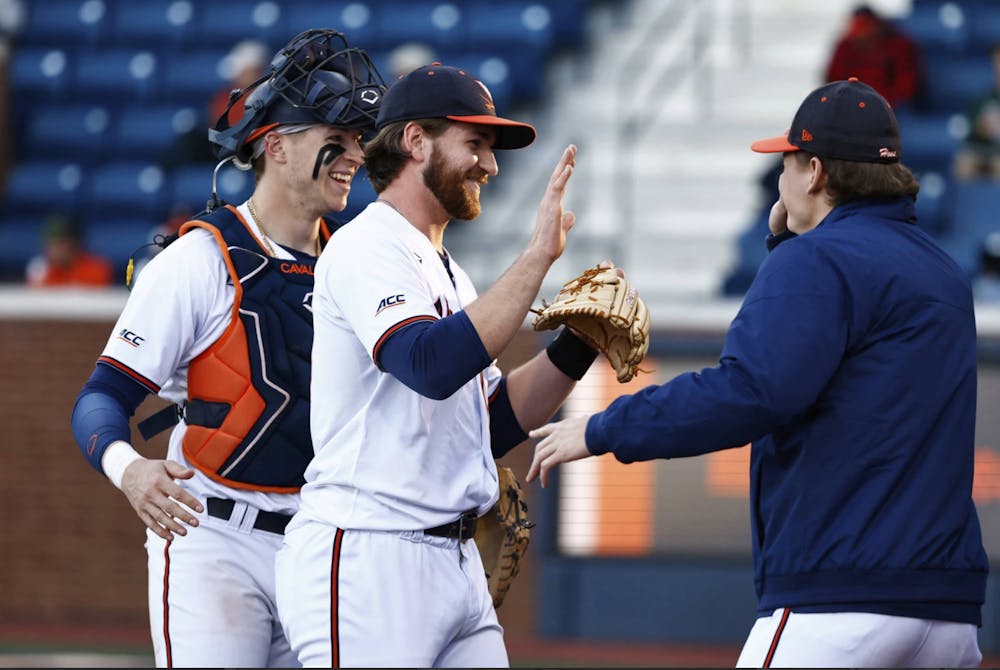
(781, 350)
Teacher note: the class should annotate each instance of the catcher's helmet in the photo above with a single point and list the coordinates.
(315, 78)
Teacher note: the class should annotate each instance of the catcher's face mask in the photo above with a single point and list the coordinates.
(316, 78)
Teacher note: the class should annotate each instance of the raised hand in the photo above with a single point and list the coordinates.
(552, 222)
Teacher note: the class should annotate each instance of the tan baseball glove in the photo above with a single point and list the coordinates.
(605, 310)
(502, 536)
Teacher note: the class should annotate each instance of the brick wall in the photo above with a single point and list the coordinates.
(72, 548)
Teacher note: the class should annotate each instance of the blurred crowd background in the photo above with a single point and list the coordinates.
(107, 103)
(104, 110)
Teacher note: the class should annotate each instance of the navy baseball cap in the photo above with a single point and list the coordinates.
(438, 91)
(847, 120)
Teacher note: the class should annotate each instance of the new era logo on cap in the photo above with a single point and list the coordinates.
(438, 91)
(847, 120)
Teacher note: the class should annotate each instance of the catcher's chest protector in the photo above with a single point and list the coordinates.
(248, 394)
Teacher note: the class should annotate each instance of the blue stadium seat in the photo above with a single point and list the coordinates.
(157, 25)
(930, 140)
(146, 132)
(127, 189)
(20, 240)
(935, 201)
(226, 23)
(354, 19)
(192, 77)
(510, 24)
(234, 185)
(938, 26)
(438, 24)
(985, 27)
(116, 76)
(38, 187)
(976, 209)
(63, 22)
(73, 132)
(963, 248)
(495, 71)
(383, 62)
(567, 20)
(954, 83)
(191, 185)
(974, 214)
(39, 73)
(521, 34)
(118, 237)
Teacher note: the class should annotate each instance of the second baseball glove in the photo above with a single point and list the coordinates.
(502, 536)
(606, 310)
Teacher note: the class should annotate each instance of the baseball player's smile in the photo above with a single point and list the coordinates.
(476, 182)
(342, 178)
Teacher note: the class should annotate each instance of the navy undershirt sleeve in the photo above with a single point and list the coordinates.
(102, 410)
(435, 358)
(505, 431)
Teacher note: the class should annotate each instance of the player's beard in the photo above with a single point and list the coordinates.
(448, 186)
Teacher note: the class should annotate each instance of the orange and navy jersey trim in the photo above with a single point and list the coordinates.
(121, 367)
(234, 320)
(396, 328)
(776, 639)
(167, 645)
(338, 540)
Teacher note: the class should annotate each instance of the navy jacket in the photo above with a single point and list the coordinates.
(851, 367)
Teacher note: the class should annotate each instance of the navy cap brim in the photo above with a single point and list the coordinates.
(509, 134)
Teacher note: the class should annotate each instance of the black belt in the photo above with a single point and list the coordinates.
(272, 522)
(463, 528)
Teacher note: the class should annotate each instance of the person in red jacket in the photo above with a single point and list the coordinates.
(64, 261)
(879, 54)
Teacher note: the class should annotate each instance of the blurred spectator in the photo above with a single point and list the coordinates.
(243, 65)
(875, 51)
(407, 57)
(986, 287)
(64, 261)
(980, 156)
(879, 54)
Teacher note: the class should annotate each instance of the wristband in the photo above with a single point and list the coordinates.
(118, 456)
(570, 354)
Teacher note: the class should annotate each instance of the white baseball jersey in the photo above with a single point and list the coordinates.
(388, 458)
(181, 303)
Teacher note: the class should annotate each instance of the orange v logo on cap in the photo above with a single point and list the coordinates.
(806, 135)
